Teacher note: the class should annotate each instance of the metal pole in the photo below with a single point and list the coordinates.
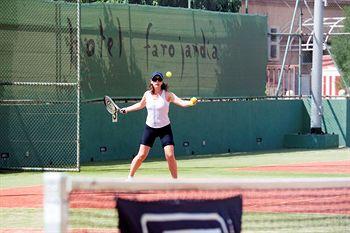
(78, 84)
(300, 50)
(286, 51)
(246, 6)
(316, 75)
(189, 4)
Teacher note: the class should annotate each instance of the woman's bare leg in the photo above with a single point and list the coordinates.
(170, 157)
(139, 158)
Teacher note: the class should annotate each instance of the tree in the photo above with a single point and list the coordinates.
(211, 5)
(341, 51)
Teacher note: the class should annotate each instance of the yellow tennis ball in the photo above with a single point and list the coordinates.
(168, 74)
(193, 100)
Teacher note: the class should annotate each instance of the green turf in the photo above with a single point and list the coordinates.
(217, 166)
(201, 166)
(205, 166)
(94, 217)
(294, 223)
(21, 218)
(19, 179)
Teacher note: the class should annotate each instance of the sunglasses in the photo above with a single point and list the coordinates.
(157, 78)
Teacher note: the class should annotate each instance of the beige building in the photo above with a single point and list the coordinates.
(280, 15)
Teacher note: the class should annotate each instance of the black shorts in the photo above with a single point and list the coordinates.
(150, 134)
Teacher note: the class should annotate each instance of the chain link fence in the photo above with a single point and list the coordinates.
(39, 85)
(290, 45)
(40, 71)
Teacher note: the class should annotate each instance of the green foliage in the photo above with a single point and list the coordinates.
(341, 50)
(211, 5)
(218, 5)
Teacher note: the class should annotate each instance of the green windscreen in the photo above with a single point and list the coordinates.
(38, 84)
(56, 54)
(210, 54)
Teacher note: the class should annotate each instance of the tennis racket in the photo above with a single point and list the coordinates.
(112, 108)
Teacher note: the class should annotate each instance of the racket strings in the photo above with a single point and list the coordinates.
(112, 108)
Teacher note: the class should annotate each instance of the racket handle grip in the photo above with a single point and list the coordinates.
(115, 117)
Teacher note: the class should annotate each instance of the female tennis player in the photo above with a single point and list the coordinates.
(157, 100)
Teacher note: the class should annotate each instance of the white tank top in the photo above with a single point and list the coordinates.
(157, 110)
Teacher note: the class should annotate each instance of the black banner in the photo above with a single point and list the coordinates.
(206, 216)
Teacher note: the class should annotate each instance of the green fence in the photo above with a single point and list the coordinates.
(38, 84)
(209, 53)
(336, 118)
(210, 127)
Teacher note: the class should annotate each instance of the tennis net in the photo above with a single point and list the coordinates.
(80, 204)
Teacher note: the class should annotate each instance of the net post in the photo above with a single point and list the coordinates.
(55, 203)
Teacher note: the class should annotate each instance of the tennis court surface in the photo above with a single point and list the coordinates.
(285, 191)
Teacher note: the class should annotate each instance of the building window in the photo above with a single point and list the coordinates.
(306, 57)
(274, 47)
